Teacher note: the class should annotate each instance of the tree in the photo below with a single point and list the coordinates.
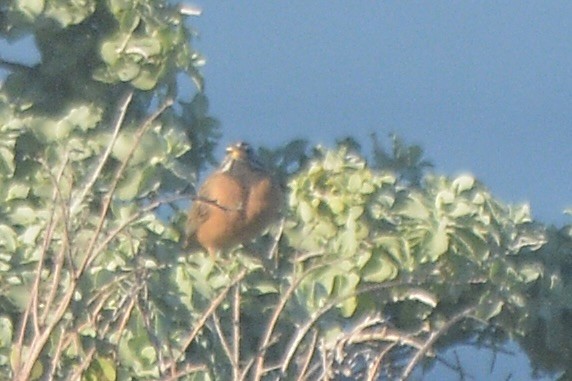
(377, 266)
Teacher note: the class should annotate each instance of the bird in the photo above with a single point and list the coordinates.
(234, 204)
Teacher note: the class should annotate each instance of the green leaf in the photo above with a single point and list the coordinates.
(23, 214)
(110, 51)
(6, 332)
(129, 186)
(30, 8)
(144, 47)
(126, 69)
(345, 286)
(355, 212)
(438, 243)
(336, 204)
(444, 197)
(325, 229)
(521, 214)
(412, 207)
(6, 161)
(147, 78)
(84, 116)
(306, 212)
(107, 367)
(367, 188)
(489, 308)
(379, 269)
(469, 243)
(17, 190)
(355, 183)
(69, 12)
(463, 183)
(531, 271)
(462, 209)
(30, 234)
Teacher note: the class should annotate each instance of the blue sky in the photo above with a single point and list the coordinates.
(483, 86)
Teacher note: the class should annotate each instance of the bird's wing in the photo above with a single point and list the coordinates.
(199, 212)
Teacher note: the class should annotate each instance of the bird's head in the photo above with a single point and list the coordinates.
(240, 152)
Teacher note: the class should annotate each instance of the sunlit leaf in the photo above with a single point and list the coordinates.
(463, 183)
(531, 272)
(146, 79)
(438, 243)
(379, 269)
(355, 183)
(412, 207)
(6, 331)
(306, 211)
(144, 46)
(30, 8)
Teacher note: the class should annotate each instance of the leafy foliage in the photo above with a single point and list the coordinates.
(376, 266)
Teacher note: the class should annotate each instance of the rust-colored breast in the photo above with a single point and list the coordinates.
(217, 215)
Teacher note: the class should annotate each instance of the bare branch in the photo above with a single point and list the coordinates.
(199, 324)
(223, 341)
(117, 123)
(433, 337)
(264, 342)
(273, 252)
(91, 253)
(56, 357)
(303, 330)
(32, 307)
(373, 369)
(60, 258)
(236, 332)
(189, 369)
(309, 355)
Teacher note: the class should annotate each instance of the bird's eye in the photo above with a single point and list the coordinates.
(245, 147)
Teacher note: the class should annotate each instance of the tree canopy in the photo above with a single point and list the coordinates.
(377, 266)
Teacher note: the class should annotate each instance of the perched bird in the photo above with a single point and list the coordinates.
(234, 204)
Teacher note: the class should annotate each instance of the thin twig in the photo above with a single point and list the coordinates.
(86, 361)
(273, 252)
(200, 323)
(32, 306)
(309, 355)
(390, 335)
(117, 123)
(236, 332)
(263, 346)
(59, 262)
(303, 330)
(373, 370)
(433, 338)
(222, 338)
(146, 317)
(56, 357)
(91, 253)
(110, 236)
(190, 369)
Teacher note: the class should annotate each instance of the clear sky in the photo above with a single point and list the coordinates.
(482, 86)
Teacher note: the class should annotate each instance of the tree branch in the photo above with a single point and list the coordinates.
(433, 337)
